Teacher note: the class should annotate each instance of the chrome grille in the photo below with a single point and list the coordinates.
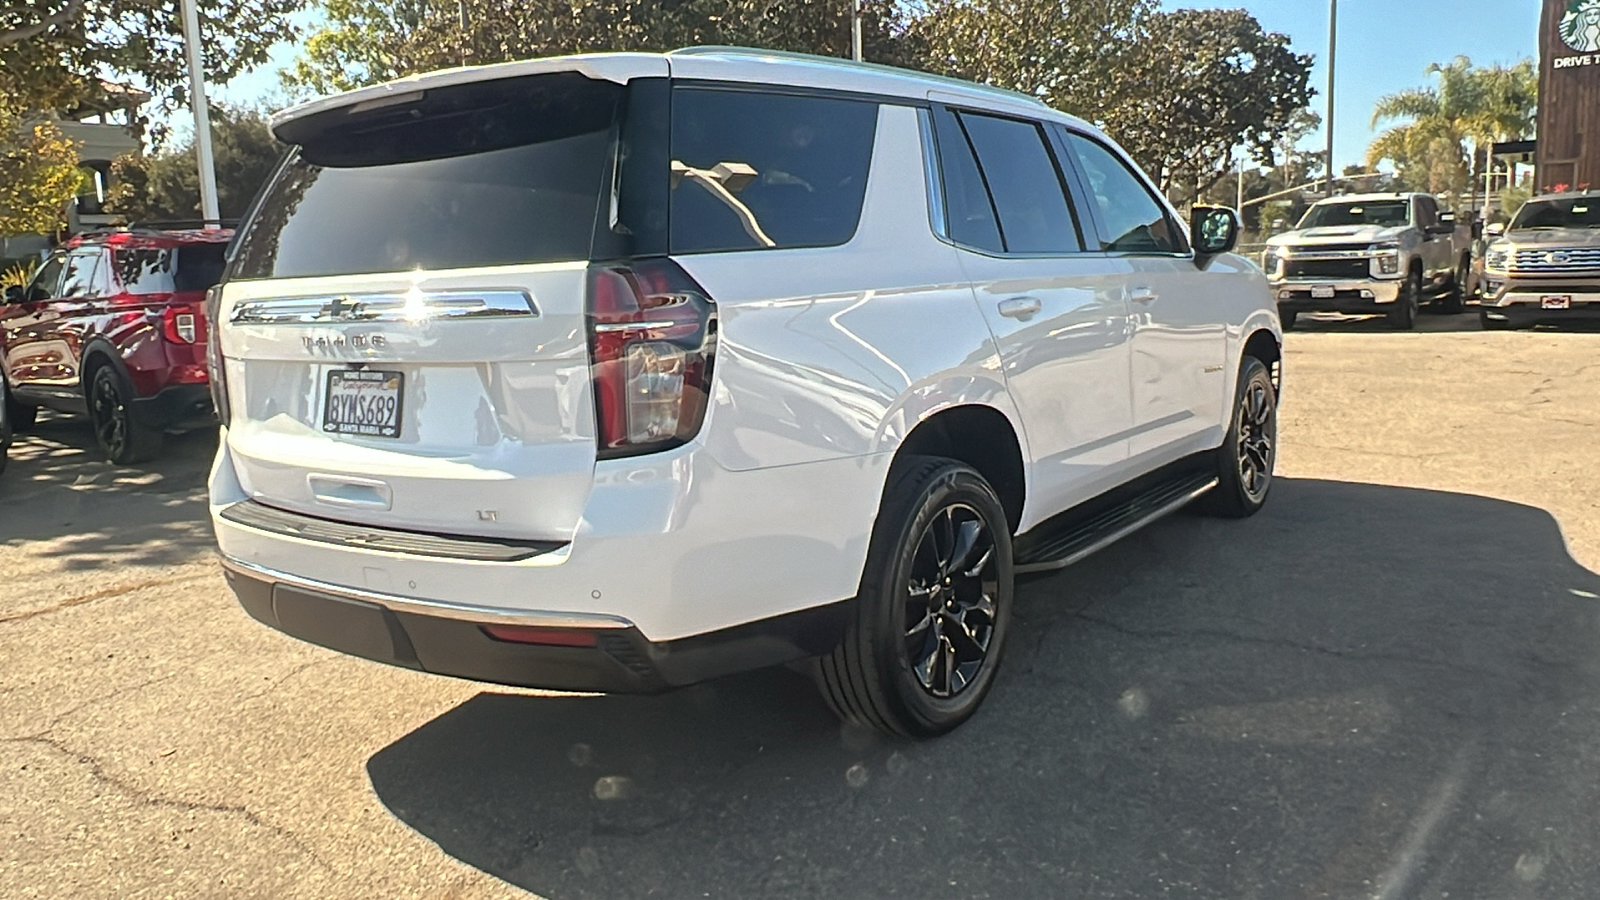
(1557, 262)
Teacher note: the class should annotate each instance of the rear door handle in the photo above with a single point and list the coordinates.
(1020, 307)
(1142, 295)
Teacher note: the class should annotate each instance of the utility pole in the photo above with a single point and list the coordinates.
(1239, 201)
(1333, 46)
(202, 116)
(855, 30)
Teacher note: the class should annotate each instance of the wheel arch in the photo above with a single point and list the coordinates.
(97, 354)
(982, 437)
(1262, 344)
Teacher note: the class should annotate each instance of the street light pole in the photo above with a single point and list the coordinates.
(202, 117)
(1333, 46)
(855, 30)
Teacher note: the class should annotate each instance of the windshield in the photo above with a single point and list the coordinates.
(1386, 213)
(1579, 212)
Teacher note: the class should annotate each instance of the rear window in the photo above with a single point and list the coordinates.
(754, 170)
(192, 267)
(487, 174)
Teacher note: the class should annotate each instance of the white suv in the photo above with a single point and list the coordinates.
(626, 371)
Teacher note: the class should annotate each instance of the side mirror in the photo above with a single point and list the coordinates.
(1494, 229)
(1477, 231)
(16, 293)
(1213, 230)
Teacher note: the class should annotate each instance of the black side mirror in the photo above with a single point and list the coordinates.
(16, 293)
(1213, 230)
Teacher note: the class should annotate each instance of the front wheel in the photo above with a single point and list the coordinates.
(117, 430)
(1403, 317)
(21, 415)
(934, 606)
(1246, 458)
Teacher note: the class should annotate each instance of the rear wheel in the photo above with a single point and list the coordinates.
(5, 431)
(1455, 299)
(121, 437)
(934, 606)
(1403, 316)
(1246, 458)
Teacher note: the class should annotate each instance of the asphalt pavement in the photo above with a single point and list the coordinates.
(1386, 685)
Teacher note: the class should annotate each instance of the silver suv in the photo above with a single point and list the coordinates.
(622, 372)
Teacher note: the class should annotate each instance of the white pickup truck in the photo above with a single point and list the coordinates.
(1381, 254)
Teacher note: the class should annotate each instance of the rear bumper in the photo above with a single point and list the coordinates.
(577, 653)
(178, 407)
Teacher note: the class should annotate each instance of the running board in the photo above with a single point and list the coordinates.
(1080, 539)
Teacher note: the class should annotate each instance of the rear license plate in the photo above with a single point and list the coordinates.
(1558, 301)
(364, 402)
(1322, 292)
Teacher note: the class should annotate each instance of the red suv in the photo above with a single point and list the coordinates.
(113, 325)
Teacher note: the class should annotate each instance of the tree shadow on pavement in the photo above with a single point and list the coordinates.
(1364, 691)
(59, 489)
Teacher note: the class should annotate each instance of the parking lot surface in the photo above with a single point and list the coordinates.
(1386, 685)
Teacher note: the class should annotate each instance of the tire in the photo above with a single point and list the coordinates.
(1246, 457)
(899, 669)
(1454, 300)
(1404, 315)
(5, 431)
(1288, 319)
(21, 415)
(117, 431)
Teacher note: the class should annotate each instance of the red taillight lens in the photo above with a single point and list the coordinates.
(652, 339)
(182, 324)
(215, 370)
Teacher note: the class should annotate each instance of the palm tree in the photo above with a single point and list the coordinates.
(1470, 106)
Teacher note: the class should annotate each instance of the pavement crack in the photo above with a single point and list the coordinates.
(102, 594)
(148, 798)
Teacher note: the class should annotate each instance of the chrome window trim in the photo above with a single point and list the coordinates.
(411, 306)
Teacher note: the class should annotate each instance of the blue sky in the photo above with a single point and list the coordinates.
(1384, 46)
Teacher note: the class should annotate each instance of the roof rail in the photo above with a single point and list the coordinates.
(878, 68)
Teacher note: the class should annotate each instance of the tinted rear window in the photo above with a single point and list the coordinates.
(496, 173)
(192, 267)
(755, 171)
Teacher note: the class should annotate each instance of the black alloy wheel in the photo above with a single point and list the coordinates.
(117, 431)
(934, 605)
(20, 415)
(950, 601)
(1245, 461)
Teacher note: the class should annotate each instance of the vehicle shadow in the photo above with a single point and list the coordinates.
(1427, 322)
(1363, 691)
(58, 488)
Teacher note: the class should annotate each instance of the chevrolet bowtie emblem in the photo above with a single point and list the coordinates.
(341, 308)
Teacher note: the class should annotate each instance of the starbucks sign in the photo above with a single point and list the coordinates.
(1580, 26)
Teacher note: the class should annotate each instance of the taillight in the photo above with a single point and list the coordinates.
(217, 373)
(181, 324)
(652, 339)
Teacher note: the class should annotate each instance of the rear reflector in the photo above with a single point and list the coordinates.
(550, 637)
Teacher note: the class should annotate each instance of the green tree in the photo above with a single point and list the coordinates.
(38, 174)
(370, 41)
(1213, 81)
(166, 186)
(1445, 131)
(1072, 54)
(52, 52)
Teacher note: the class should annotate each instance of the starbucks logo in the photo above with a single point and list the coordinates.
(1580, 26)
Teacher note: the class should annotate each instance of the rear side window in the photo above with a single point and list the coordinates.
(192, 267)
(968, 209)
(755, 171)
(486, 174)
(1024, 184)
(1133, 220)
